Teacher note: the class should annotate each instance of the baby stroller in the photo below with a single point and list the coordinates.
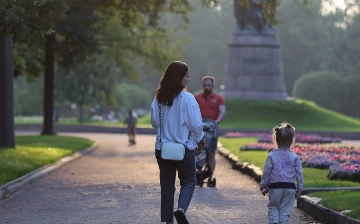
(203, 169)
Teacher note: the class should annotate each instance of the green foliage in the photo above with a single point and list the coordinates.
(324, 88)
(24, 16)
(269, 7)
(88, 84)
(33, 152)
(307, 40)
(330, 91)
(131, 96)
(152, 48)
(28, 97)
(29, 56)
(340, 201)
(77, 34)
(315, 40)
(350, 102)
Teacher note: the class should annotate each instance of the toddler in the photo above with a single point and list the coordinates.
(282, 168)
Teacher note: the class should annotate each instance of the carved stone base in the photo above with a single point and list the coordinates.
(254, 68)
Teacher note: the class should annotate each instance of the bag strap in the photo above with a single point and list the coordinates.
(160, 126)
(160, 119)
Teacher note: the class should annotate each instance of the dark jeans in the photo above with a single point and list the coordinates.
(187, 175)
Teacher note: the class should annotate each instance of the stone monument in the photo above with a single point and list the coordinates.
(254, 66)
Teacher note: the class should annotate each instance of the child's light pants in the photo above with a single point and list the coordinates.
(281, 202)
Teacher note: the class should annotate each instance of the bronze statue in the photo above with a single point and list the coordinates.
(251, 21)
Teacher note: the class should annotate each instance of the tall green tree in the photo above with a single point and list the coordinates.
(347, 47)
(122, 52)
(135, 16)
(19, 17)
(88, 84)
(308, 40)
(74, 41)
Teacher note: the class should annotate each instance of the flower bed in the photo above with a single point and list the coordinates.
(343, 171)
(267, 137)
(343, 161)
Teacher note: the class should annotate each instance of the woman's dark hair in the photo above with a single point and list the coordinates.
(283, 136)
(170, 83)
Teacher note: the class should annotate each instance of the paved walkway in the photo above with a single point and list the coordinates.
(118, 183)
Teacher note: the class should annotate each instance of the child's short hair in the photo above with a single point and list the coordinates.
(283, 136)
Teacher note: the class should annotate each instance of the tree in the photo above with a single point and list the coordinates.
(121, 51)
(28, 100)
(88, 84)
(130, 96)
(18, 17)
(6, 93)
(347, 47)
(135, 16)
(305, 40)
(77, 34)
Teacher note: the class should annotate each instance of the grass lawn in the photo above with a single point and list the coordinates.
(336, 200)
(255, 114)
(142, 121)
(304, 115)
(340, 201)
(33, 152)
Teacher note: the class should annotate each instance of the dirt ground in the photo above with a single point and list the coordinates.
(118, 183)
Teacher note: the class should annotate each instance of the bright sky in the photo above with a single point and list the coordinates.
(328, 8)
(339, 3)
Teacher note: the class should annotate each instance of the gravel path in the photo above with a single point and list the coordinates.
(118, 183)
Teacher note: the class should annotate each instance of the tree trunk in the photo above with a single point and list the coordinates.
(49, 86)
(7, 136)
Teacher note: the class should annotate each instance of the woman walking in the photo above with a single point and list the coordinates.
(176, 116)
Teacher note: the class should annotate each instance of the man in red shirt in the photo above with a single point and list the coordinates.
(212, 106)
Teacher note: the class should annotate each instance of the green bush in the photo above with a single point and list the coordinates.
(351, 104)
(324, 88)
(132, 96)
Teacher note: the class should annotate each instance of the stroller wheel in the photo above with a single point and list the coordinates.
(211, 183)
(201, 182)
(214, 182)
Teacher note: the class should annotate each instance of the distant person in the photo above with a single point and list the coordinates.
(111, 116)
(282, 168)
(131, 121)
(212, 106)
(176, 116)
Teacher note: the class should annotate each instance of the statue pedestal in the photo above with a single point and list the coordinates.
(254, 68)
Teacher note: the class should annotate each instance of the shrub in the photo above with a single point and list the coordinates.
(324, 88)
(351, 105)
(132, 96)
